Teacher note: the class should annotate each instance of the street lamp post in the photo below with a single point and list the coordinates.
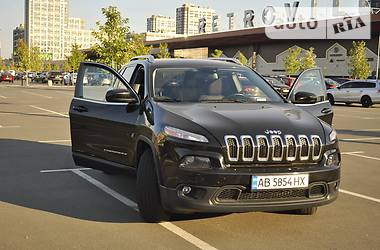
(378, 59)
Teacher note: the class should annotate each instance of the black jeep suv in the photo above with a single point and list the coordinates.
(207, 136)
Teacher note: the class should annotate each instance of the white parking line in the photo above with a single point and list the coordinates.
(167, 225)
(9, 126)
(364, 156)
(359, 195)
(55, 141)
(4, 97)
(64, 170)
(50, 111)
(360, 139)
(349, 153)
(31, 93)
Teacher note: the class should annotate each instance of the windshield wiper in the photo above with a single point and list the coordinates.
(165, 99)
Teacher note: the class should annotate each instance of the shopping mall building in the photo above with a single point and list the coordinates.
(267, 55)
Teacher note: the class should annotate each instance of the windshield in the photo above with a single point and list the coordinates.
(211, 85)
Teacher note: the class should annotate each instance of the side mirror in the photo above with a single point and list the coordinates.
(121, 96)
(305, 98)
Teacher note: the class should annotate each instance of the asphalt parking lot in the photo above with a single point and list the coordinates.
(46, 204)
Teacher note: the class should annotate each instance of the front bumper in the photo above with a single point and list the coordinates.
(323, 189)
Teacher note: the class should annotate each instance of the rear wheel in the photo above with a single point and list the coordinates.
(330, 97)
(148, 193)
(366, 101)
(306, 211)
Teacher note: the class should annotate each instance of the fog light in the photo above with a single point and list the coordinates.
(186, 190)
(195, 162)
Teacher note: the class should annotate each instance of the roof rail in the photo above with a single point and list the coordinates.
(149, 58)
(226, 59)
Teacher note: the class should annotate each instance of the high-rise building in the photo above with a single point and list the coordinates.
(18, 35)
(76, 33)
(48, 27)
(161, 24)
(188, 16)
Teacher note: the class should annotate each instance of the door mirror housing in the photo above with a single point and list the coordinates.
(305, 98)
(121, 96)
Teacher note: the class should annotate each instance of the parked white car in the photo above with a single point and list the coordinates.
(73, 78)
(366, 92)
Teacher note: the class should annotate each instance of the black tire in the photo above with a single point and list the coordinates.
(307, 211)
(331, 99)
(366, 101)
(148, 193)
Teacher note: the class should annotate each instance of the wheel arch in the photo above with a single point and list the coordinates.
(143, 144)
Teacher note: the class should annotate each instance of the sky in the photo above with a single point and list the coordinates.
(12, 13)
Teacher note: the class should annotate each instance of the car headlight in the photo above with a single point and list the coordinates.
(195, 162)
(333, 136)
(332, 159)
(184, 135)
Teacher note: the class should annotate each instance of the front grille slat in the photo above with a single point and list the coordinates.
(304, 147)
(248, 148)
(275, 149)
(262, 148)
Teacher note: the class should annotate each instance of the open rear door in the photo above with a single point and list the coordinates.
(309, 93)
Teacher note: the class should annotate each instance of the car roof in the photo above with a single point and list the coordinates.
(161, 63)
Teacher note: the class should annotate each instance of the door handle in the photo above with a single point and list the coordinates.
(326, 111)
(80, 109)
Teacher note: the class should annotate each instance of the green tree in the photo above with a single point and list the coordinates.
(308, 61)
(73, 61)
(1, 63)
(24, 62)
(112, 47)
(47, 66)
(136, 47)
(164, 52)
(217, 53)
(292, 62)
(360, 68)
(243, 59)
(36, 62)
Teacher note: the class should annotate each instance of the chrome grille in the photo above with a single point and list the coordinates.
(317, 147)
(291, 152)
(304, 148)
(273, 148)
(232, 148)
(277, 148)
(248, 148)
(263, 148)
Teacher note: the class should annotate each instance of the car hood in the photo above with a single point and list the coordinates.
(248, 119)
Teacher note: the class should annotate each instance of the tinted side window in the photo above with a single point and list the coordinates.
(347, 85)
(358, 85)
(369, 85)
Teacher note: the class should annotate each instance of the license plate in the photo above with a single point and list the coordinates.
(280, 182)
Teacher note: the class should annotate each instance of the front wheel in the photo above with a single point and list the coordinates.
(366, 101)
(148, 193)
(330, 97)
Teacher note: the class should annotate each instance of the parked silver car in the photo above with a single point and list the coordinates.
(366, 92)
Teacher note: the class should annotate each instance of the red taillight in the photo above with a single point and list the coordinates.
(378, 91)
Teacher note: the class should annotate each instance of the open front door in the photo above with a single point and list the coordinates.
(309, 93)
